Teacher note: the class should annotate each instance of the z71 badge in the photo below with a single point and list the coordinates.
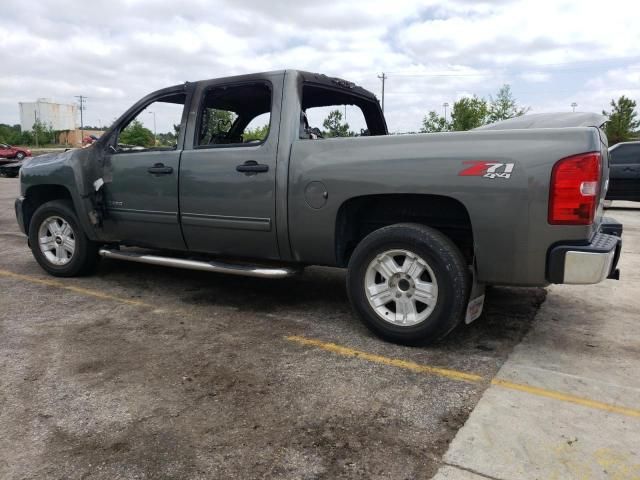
(480, 168)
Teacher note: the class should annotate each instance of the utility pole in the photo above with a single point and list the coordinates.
(155, 136)
(382, 77)
(574, 105)
(35, 125)
(81, 99)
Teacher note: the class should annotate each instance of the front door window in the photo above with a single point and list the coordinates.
(156, 127)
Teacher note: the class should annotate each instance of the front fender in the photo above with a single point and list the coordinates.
(42, 177)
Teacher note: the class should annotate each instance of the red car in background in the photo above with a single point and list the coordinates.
(8, 152)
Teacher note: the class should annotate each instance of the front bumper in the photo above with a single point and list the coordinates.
(19, 214)
(590, 263)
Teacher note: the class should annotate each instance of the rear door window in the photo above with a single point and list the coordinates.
(234, 115)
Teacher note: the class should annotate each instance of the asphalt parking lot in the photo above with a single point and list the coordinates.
(148, 372)
(145, 372)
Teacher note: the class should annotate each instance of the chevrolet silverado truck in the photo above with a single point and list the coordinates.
(250, 186)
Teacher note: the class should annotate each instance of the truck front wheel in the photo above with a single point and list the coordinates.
(408, 283)
(58, 243)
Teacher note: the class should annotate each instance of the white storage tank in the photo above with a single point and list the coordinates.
(58, 116)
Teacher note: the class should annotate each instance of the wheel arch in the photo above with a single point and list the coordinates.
(359, 216)
(37, 195)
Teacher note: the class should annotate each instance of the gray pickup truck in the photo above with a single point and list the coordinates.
(422, 222)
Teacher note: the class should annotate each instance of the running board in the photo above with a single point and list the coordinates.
(217, 267)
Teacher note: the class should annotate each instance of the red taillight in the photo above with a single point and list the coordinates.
(575, 188)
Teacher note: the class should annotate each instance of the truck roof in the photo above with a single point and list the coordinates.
(335, 82)
(309, 77)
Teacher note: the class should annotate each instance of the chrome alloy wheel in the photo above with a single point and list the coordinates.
(401, 287)
(57, 240)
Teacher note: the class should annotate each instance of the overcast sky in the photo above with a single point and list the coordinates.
(552, 52)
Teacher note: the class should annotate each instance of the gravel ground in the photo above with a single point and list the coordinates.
(145, 372)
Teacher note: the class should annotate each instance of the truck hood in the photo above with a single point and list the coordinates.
(47, 159)
(548, 120)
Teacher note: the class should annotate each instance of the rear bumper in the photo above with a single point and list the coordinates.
(19, 213)
(590, 263)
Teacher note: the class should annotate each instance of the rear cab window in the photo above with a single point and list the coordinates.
(332, 112)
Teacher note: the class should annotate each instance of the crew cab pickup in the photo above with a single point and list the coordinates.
(251, 186)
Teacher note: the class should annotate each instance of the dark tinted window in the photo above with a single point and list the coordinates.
(626, 154)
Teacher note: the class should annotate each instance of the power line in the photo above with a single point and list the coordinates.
(571, 66)
(572, 71)
(537, 93)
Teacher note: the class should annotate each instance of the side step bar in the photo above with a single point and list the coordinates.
(211, 266)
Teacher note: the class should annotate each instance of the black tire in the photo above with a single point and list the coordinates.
(447, 264)
(85, 256)
(20, 155)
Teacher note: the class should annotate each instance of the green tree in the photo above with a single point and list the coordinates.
(10, 134)
(258, 133)
(26, 138)
(167, 139)
(622, 120)
(468, 113)
(504, 106)
(41, 134)
(215, 123)
(334, 127)
(433, 123)
(137, 134)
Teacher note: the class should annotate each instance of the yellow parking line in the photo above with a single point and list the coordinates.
(462, 376)
(370, 357)
(71, 288)
(394, 362)
(565, 397)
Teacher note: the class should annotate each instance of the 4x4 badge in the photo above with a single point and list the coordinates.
(480, 168)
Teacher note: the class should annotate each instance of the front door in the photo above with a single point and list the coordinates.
(228, 176)
(142, 195)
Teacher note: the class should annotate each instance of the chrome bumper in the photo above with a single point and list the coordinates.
(586, 264)
(582, 268)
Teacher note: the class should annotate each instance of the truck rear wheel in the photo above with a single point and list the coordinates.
(58, 243)
(408, 283)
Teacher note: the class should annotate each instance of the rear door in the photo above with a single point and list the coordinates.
(228, 168)
(624, 174)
